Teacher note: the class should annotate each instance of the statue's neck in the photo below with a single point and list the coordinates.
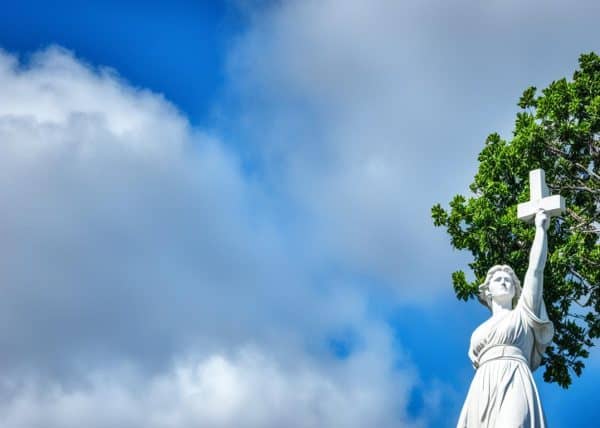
(500, 307)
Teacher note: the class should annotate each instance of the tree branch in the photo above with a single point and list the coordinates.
(565, 157)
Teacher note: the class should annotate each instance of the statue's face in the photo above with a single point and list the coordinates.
(502, 286)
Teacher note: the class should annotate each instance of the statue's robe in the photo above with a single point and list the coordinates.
(504, 352)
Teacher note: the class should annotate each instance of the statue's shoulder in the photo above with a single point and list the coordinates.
(489, 324)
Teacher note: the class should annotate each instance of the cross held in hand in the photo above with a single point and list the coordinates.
(540, 198)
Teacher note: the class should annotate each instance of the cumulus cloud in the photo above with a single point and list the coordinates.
(248, 389)
(130, 240)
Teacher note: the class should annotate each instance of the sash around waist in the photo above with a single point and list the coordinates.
(502, 352)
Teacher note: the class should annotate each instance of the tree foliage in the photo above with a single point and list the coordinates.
(559, 131)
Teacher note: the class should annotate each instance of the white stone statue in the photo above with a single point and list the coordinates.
(507, 347)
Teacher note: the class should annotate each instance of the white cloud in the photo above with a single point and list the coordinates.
(54, 88)
(130, 239)
(248, 389)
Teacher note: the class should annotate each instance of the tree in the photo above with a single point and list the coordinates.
(559, 131)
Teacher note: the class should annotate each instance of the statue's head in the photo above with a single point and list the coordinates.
(501, 283)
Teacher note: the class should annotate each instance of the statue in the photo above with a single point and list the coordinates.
(508, 347)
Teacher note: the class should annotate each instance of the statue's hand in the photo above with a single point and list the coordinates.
(542, 219)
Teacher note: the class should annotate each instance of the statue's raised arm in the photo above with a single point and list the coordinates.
(533, 285)
(540, 208)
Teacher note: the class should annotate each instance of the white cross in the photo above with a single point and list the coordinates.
(540, 198)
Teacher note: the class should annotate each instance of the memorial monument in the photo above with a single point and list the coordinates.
(508, 347)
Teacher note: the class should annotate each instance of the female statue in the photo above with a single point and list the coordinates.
(507, 347)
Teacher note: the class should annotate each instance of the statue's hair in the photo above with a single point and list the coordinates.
(484, 295)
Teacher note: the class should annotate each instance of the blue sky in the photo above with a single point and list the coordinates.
(217, 212)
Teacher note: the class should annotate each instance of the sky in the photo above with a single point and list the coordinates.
(217, 214)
